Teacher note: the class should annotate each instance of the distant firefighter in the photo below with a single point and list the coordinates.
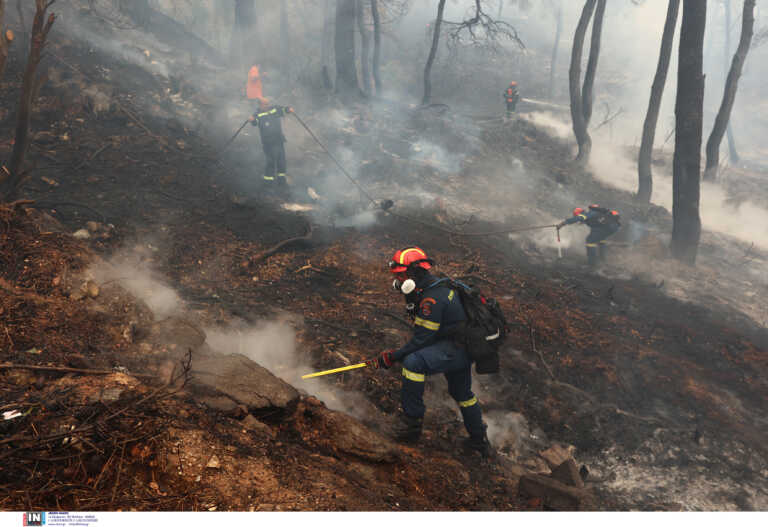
(603, 223)
(268, 119)
(511, 96)
(253, 89)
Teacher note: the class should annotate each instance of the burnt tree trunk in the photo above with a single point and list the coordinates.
(644, 175)
(594, 54)
(285, 40)
(23, 36)
(555, 49)
(344, 47)
(729, 95)
(6, 37)
(325, 47)
(245, 20)
(689, 112)
(376, 45)
(734, 155)
(365, 48)
(41, 26)
(432, 53)
(574, 84)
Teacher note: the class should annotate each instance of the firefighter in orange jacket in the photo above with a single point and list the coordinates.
(253, 89)
(511, 96)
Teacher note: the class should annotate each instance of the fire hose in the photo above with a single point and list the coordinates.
(387, 204)
(233, 137)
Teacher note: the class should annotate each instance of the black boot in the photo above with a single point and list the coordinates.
(479, 444)
(407, 429)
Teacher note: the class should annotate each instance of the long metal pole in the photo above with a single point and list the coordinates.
(335, 370)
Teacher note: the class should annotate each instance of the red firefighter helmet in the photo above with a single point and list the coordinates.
(577, 211)
(513, 83)
(404, 258)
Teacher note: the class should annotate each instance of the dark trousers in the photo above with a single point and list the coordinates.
(596, 240)
(443, 357)
(275, 164)
(511, 108)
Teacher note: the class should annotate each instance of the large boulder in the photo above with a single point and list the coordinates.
(240, 379)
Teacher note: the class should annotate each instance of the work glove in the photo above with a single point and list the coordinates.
(560, 225)
(384, 360)
(289, 110)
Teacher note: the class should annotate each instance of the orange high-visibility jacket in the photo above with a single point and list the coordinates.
(253, 88)
(511, 94)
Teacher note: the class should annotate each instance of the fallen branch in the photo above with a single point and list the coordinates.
(11, 366)
(92, 156)
(275, 248)
(608, 117)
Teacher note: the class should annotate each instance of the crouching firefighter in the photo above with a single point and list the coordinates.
(603, 223)
(438, 345)
(268, 119)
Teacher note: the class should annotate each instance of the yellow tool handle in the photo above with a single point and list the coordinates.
(335, 370)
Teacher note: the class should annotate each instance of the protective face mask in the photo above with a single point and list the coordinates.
(406, 287)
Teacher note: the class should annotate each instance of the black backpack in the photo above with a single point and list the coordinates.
(485, 330)
(608, 216)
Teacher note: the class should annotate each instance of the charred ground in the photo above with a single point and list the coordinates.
(642, 383)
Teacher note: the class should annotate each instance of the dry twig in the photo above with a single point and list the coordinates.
(537, 352)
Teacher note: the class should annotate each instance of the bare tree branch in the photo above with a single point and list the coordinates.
(481, 29)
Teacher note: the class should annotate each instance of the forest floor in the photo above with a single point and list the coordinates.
(651, 374)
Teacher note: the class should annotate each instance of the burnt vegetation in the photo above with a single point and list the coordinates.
(159, 300)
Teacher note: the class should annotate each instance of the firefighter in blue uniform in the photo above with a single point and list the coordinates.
(268, 119)
(603, 223)
(438, 316)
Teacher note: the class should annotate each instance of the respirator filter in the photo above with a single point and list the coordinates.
(406, 287)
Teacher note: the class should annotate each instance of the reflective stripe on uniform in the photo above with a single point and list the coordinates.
(402, 254)
(434, 326)
(269, 178)
(467, 404)
(413, 376)
(583, 217)
(604, 242)
(450, 295)
(591, 245)
(281, 174)
(262, 114)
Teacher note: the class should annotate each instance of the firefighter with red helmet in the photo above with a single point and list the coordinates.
(438, 318)
(511, 96)
(602, 222)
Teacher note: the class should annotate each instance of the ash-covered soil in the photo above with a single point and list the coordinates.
(654, 373)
